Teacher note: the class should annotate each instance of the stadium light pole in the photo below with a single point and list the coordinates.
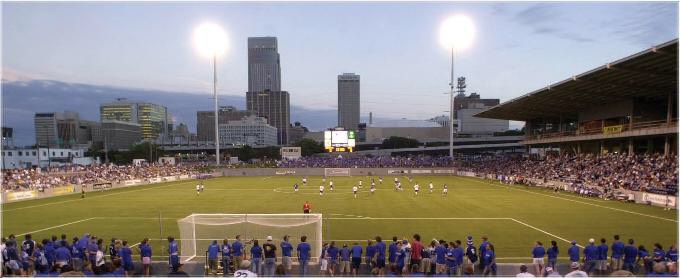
(456, 33)
(211, 41)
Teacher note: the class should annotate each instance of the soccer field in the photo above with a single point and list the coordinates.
(513, 217)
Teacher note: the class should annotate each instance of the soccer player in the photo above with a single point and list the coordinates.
(355, 189)
(330, 184)
(380, 179)
(202, 188)
(372, 188)
(304, 180)
(361, 183)
(416, 188)
(295, 187)
(303, 252)
(306, 208)
(321, 188)
(198, 189)
(431, 187)
(445, 191)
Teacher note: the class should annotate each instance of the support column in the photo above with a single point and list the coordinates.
(666, 146)
(578, 147)
(601, 145)
(631, 147)
(669, 110)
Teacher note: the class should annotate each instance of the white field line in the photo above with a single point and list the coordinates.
(418, 218)
(57, 226)
(135, 244)
(581, 202)
(542, 231)
(97, 196)
(584, 198)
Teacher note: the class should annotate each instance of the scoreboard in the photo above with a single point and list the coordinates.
(339, 140)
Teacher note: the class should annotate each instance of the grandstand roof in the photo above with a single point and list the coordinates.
(651, 73)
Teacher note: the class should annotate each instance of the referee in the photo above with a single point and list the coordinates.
(306, 208)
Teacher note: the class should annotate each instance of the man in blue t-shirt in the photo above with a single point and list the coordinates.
(440, 262)
(126, 258)
(379, 249)
(451, 263)
(356, 258)
(538, 254)
(286, 253)
(62, 256)
(574, 253)
(591, 255)
(458, 254)
(213, 251)
(225, 251)
(482, 251)
(630, 252)
(237, 252)
(333, 253)
(370, 255)
(173, 252)
(303, 252)
(602, 251)
(617, 253)
(345, 268)
(393, 252)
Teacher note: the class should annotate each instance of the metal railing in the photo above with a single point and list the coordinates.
(600, 130)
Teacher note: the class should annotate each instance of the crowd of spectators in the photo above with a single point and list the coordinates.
(420, 161)
(38, 179)
(645, 172)
(90, 255)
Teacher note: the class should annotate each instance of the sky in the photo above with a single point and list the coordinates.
(394, 46)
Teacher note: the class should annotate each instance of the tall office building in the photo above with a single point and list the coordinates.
(153, 119)
(348, 100)
(65, 129)
(264, 67)
(275, 106)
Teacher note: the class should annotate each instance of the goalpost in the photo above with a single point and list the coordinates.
(197, 231)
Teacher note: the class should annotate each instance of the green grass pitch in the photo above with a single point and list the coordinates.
(513, 217)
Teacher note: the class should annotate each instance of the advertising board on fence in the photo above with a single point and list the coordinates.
(658, 199)
(21, 195)
(183, 177)
(170, 178)
(63, 190)
(336, 172)
(396, 171)
(421, 171)
(154, 180)
(285, 172)
(446, 171)
(131, 182)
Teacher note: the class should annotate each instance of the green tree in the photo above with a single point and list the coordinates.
(309, 147)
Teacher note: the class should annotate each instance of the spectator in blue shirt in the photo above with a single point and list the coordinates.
(482, 251)
(630, 254)
(256, 258)
(39, 259)
(62, 256)
(379, 249)
(213, 251)
(440, 262)
(617, 253)
(303, 252)
(145, 254)
(658, 254)
(538, 254)
(356, 258)
(602, 250)
(286, 253)
(332, 258)
(489, 260)
(392, 252)
(370, 255)
(345, 268)
(644, 258)
(237, 252)
(590, 257)
(451, 263)
(672, 254)
(458, 254)
(92, 249)
(125, 255)
(173, 252)
(28, 245)
(553, 251)
(401, 257)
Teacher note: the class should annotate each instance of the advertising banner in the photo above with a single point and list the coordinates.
(421, 171)
(62, 190)
(21, 195)
(396, 171)
(658, 199)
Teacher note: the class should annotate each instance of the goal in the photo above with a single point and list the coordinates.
(336, 172)
(197, 231)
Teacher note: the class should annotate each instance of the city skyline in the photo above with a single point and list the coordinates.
(405, 68)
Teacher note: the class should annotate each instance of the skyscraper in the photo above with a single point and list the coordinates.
(348, 100)
(275, 106)
(205, 120)
(264, 67)
(154, 119)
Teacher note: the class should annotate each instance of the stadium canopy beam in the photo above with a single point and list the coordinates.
(646, 88)
(648, 72)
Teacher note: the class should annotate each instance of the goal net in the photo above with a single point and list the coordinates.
(197, 231)
(336, 172)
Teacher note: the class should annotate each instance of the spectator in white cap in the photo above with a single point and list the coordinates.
(575, 272)
(243, 270)
(269, 257)
(524, 272)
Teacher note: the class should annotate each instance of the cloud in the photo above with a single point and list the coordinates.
(548, 19)
(650, 23)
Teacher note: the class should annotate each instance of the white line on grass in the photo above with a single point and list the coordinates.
(542, 231)
(97, 196)
(581, 202)
(57, 226)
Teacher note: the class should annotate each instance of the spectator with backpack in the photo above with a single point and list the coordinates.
(471, 256)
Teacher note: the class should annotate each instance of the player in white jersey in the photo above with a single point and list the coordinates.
(202, 188)
(198, 189)
(330, 183)
(396, 185)
(295, 187)
(416, 188)
(354, 189)
(380, 179)
(446, 189)
(321, 188)
(361, 183)
(323, 180)
(304, 181)
(431, 187)
(372, 188)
